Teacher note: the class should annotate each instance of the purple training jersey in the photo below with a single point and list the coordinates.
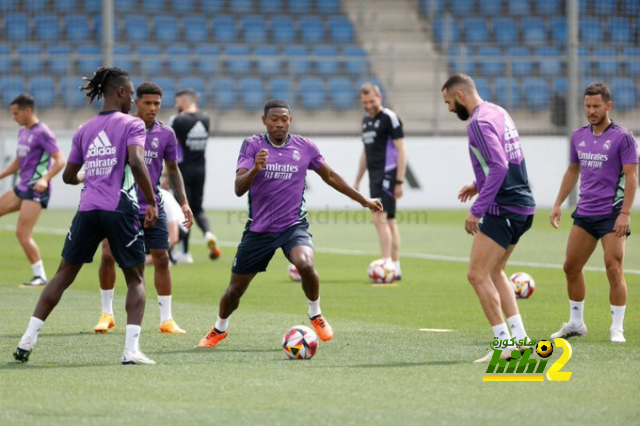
(276, 196)
(601, 159)
(101, 146)
(161, 144)
(498, 163)
(35, 146)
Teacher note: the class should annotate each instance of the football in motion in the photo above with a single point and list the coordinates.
(544, 348)
(523, 285)
(293, 273)
(382, 272)
(300, 342)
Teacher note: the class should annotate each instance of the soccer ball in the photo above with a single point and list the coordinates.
(381, 271)
(300, 342)
(293, 273)
(544, 348)
(523, 285)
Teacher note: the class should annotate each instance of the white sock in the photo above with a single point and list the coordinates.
(517, 327)
(576, 318)
(132, 338)
(38, 270)
(222, 324)
(617, 317)
(398, 270)
(30, 336)
(107, 301)
(501, 331)
(314, 308)
(165, 308)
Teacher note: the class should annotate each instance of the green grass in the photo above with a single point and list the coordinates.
(379, 369)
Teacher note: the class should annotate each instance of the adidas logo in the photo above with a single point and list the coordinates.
(513, 326)
(101, 145)
(575, 308)
(198, 131)
(582, 144)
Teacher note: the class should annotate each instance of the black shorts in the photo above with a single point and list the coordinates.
(384, 191)
(122, 230)
(156, 238)
(194, 176)
(507, 228)
(30, 194)
(256, 249)
(596, 226)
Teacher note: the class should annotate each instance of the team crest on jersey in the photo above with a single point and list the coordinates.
(296, 155)
(155, 143)
(30, 139)
(607, 145)
(376, 124)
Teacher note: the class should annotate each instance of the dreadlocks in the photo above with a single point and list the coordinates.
(103, 79)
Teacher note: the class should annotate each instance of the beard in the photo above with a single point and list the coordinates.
(460, 111)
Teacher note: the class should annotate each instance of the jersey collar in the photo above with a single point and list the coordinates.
(603, 132)
(266, 137)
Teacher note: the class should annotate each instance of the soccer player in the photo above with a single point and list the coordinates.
(604, 156)
(192, 130)
(272, 168)
(161, 145)
(37, 146)
(504, 209)
(110, 146)
(384, 155)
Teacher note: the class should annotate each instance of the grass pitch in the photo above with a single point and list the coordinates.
(379, 369)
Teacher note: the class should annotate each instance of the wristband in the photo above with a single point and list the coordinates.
(399, 181)
(627, 213)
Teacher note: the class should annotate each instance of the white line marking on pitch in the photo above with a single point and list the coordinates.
(435, 330)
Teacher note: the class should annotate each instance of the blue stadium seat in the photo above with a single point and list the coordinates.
(92, 6)
(297, 56)
(254, 29)
(213, 6)
(300, 7)
(341, 92)
(43, 90)
(10, 87)
(135, 29)
(252, 94)
(631, 7)
(271, 6)
(71, 96)
(547, 7)
(17, 26)
(76, 27)
(491, 7)
(521, 65)
(154, 6)
(165, 29)
(537, 93)
(460, 60)
(328, 7)
(238, 62)
(30, 59)
(125, 6)
(632, 58)
(519, 7)
(195, 29)
(179, 60)
(46, 27)
(59, 58)
(431, 8)
(312, 30)
(195, 83)
(591, 31)
(355, 62)
(446, 30)
(505, 31)
(484, 89)
(462, 7)
(5, 59)
(550, 64)
(150, 61)
(605, 7)
(507, 93)
(32, 6)
(168, 86)
(620, 31)
(183, 6)
(283, 30)
(65, 6)
(268, 62)
(560, 85)
(534, 31)
(241, 6)
(89, 58)
(326, 63)
(207, 59)
(223, 92)
(97, 25)
(340, 30)
(122, 57)
(624, 93)
(280, 88)
(606, 61)
(224, 29)
(559, 30)
(476, 31)
(490, 62)
(312, 93)
(12, 5)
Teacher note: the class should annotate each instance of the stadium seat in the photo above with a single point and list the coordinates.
(591, 31)
(12, 5)
(71, 96)
(252, 94)
(17, 27)
(326, 62)
(606, 61)
(30, 59)
(65, 6)
(43, 90)
(150, 60)
(312, 93)
(97, 25)
(519, 7)
(195, 83)
(300, 7)
(431, 8)
(460, 60)
(183, 6)
(223, 91)
(550, 64)
(58, 59)
(5, 59)
(560, 85)
(89, 59)
(280, 88)
(297, 56)
(558, 30)
(10, 87)
(92, 6)
(505, 31)
(484, 89)
(355, 62)
(624, 93)
(135, 29)
(312, 30)
(126, 6)
(507, 92)
(490, 63)
(212, 6)
(238, 62)
(194, 29)
(46, 27)
(122, 57)
(340, 30)
(268, 61)
(328, 7)
(154, 6)
(521, 64)
(30, 6)
(283, 30)
(342, 94)
(462, 7)
(547, 7)
(207, 59)
(224, 29)
(476, 31)
(631, 8)
(179, 60)
(168, 86)
(534, 31)
(620, 31)
(241, 6)
(76, 27)
(632, 61)
(605, 7)
(254, 29)
(536, 91)
(447, 31)
(491, 7)
(271, 6)
(165, 29)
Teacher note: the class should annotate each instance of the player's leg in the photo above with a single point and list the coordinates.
(614, 249)
(395, 246)
(9, 202)
(27, 218)
(381, 222)
(188, 178)
(107, 277)
(200, 216)
(135, 304)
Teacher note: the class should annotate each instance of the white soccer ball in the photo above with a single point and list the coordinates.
(300, 342)
(523, 285)
(293, 273)
(382, 272)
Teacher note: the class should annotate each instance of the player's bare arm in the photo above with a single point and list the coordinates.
(362, 167)
(623, 222)
(245, 177)
(336, 181)
(72, 175)
(401, 147)
(177, 184)
(59, 161)
(141, 177)
(569, 182)
(467, 192)
(12, 168)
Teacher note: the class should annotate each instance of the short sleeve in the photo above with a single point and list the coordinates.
(247, 155)
(49, 143)
(395, 127)
(317, 160)
(573, 152)
(136, 134)
(629, 150)
(171, 147)
(75, 156)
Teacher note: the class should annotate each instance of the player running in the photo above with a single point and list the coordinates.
(504, 209)
(110, 146)
(160, 145)
(272, 168)
(384, 155)
(604, 156)
(37, 146)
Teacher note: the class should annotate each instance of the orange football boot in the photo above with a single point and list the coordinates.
(324, 330)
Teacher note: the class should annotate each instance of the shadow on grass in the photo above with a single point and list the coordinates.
(30, 366)
(209, 350)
